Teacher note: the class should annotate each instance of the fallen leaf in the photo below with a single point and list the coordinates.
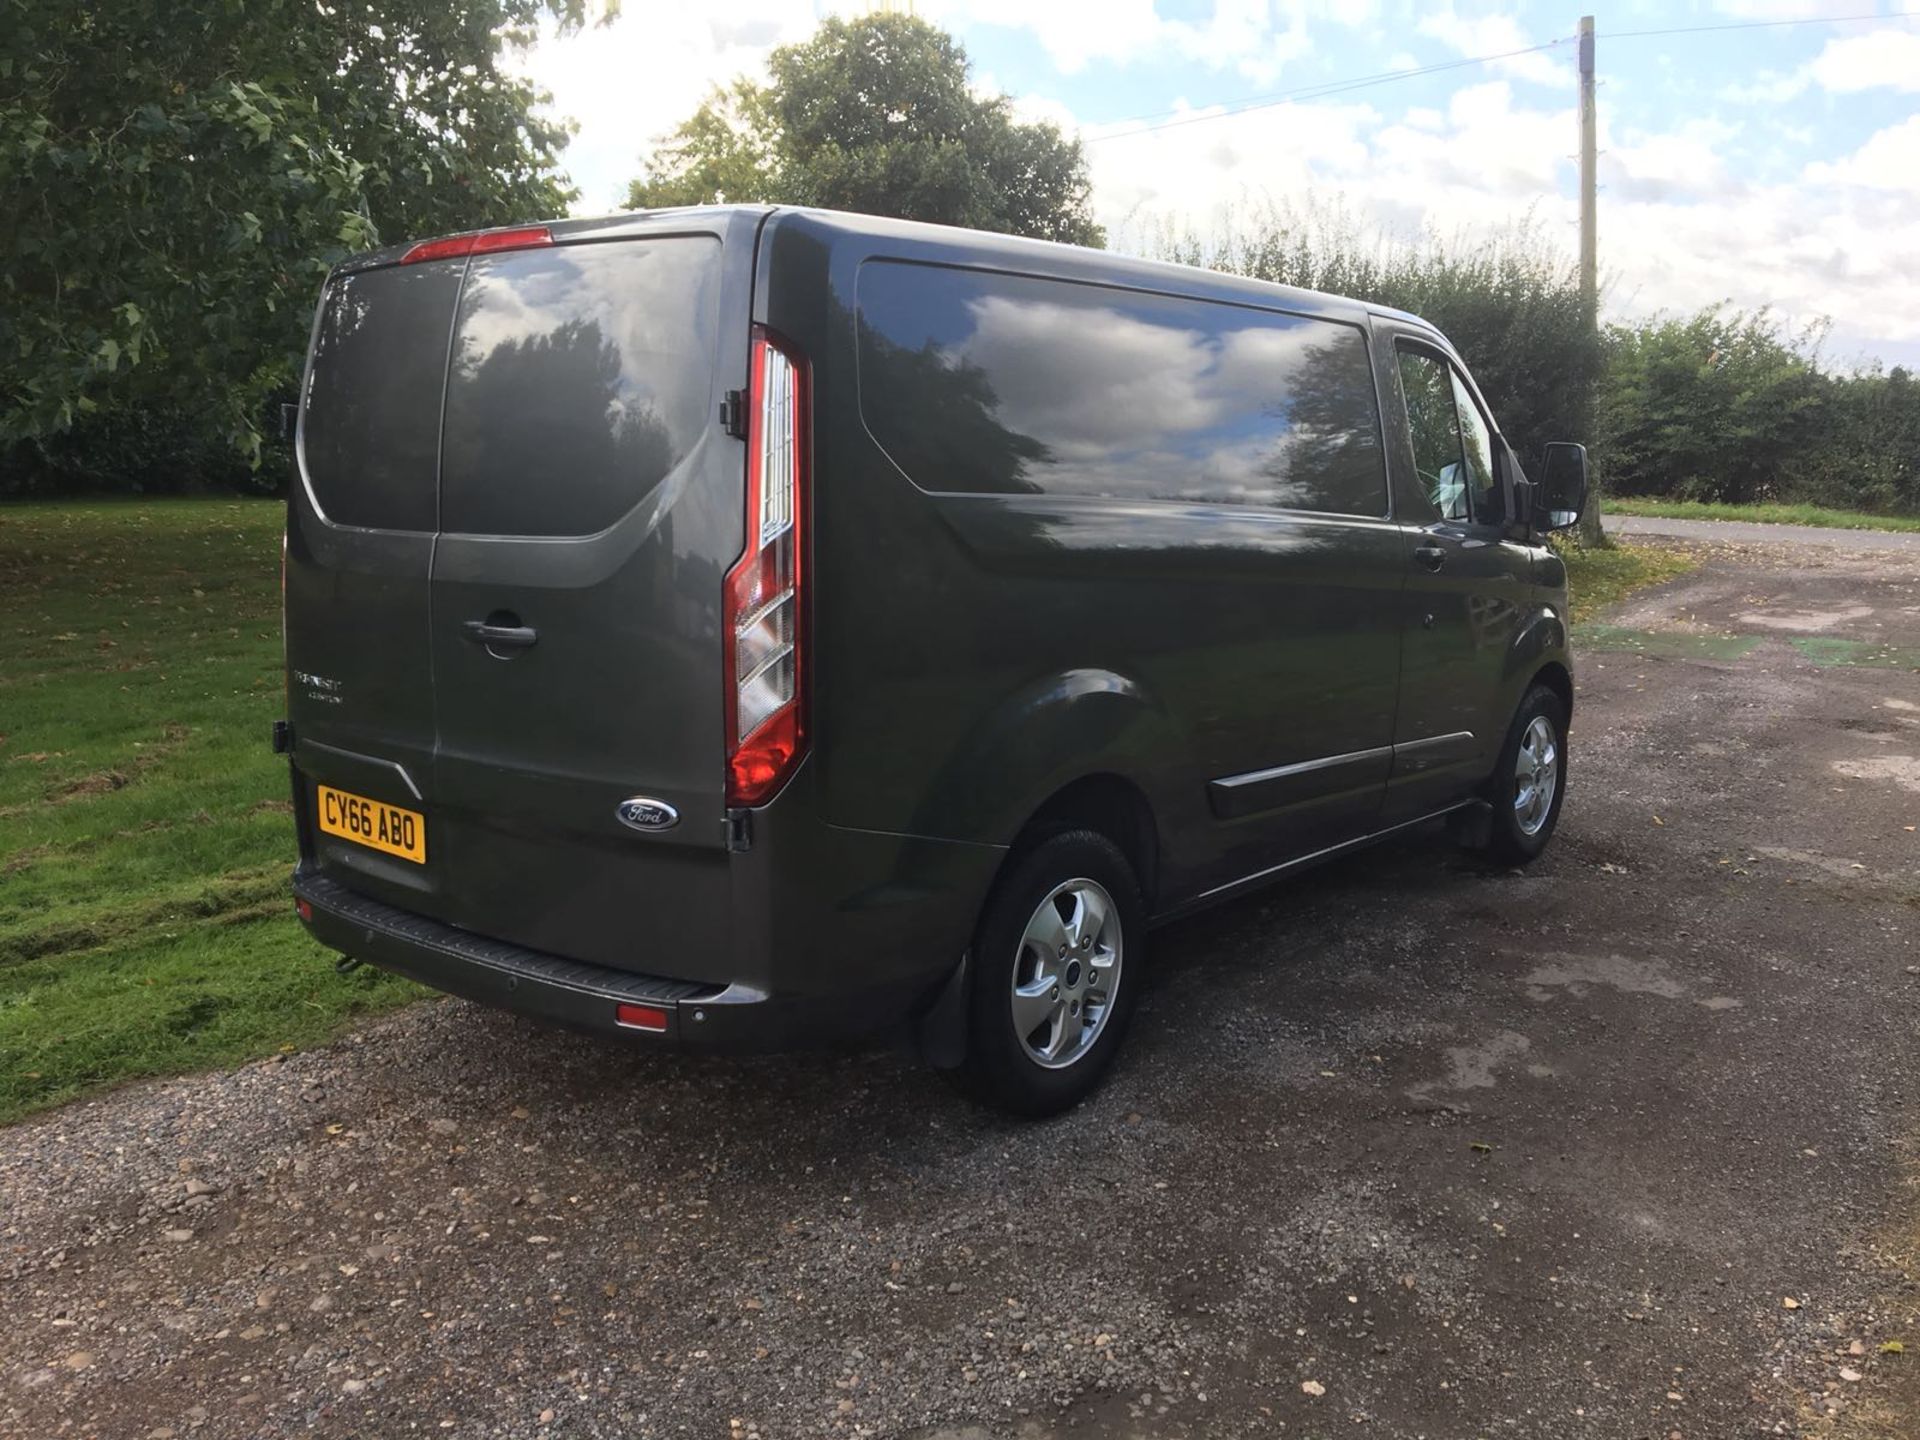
(1789, 1303)
(1312, 1387)
(1658, 821)
(1481, 1147)
(1893, 1347)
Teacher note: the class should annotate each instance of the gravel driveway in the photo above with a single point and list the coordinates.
(1617, 1147)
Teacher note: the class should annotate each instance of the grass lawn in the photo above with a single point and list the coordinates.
(145, 839)
(1761, 514)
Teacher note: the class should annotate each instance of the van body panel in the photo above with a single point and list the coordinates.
(1069, 516)
(1252, 637)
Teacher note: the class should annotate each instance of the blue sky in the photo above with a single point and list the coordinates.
(1771, 165)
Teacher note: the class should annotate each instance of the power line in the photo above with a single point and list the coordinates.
(1761, 24)
(1251, 103)
(1314, 92)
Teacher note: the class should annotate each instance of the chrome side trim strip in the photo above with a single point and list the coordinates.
(1233, 796)
(1219, 892)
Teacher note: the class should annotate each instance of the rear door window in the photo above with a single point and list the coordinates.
(370, 432)
(581, 376)
(976, 381)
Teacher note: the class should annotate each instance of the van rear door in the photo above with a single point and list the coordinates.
(361, 519)
(590, 504)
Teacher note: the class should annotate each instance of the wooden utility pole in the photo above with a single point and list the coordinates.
(1589, 241)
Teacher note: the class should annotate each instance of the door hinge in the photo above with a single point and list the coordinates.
(733, 413)
(739, 831)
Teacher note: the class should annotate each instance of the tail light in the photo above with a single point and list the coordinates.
(765, 614)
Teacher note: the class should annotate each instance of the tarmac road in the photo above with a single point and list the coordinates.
(1406, 1148)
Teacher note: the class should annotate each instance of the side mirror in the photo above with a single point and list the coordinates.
(1561, 493)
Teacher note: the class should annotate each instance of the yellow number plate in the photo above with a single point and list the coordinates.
(375, 823)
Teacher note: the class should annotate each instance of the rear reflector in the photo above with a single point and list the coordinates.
(641, 1017)
(765, 595)
(455, 246)
(304, 909)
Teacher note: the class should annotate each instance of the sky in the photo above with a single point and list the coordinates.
(1774, 165)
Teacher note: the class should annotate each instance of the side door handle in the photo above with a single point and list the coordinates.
(1431, 557)
(501, 632)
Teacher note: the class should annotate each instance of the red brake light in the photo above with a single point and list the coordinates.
(453, 246)
(765, 610)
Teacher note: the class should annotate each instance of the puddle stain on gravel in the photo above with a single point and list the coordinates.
(1577, 974)
(1807, 620)
(1902, 770)
(1475, 1067)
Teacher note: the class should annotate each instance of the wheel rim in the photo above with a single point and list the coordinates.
(1067, 973)
(1536, 776)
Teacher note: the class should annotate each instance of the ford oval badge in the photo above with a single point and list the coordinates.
(645, 813)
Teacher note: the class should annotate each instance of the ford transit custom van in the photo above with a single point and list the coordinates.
(751, 627)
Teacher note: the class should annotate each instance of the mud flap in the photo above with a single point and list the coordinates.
(1471, 826)
(940, 1031)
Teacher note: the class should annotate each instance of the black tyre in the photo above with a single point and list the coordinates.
(1057, 964)
(1529, 783)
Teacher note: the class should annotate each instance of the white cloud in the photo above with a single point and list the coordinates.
(1500, 35)
(1885, 58)
(1890, 160)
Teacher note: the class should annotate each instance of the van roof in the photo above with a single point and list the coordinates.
(953, 243)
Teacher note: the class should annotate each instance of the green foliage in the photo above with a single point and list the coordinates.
(1735, 408)
(178, 178)
(1510, 303)
(145, 828)
(875, 115)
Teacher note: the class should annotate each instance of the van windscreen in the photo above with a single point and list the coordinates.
(581, 376)
(371, 426)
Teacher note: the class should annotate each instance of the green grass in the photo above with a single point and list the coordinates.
(1599, 578)
(1761, 514)
(145, 835)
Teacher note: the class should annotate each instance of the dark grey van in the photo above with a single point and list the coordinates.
(754, 627)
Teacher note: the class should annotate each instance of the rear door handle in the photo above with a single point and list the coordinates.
(496, 636)
(1430, 556)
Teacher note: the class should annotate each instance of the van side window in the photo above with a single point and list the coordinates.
(1478, 444)
(1426, 382)
(986, 383)
(580, 376)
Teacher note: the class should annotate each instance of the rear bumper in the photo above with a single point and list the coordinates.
(585, 997)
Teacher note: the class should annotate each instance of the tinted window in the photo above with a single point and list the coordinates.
(1007, 384)
(1426, 382)
(372, 420)
(581, 375)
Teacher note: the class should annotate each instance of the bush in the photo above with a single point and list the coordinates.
(1734, 407)
(150, 450)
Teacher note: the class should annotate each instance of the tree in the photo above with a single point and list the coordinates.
(876, 115)
(1721, 405)
(177, 179)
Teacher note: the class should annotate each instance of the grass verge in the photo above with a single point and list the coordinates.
(145, 838)
(1599, 578)
(1761, 514)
